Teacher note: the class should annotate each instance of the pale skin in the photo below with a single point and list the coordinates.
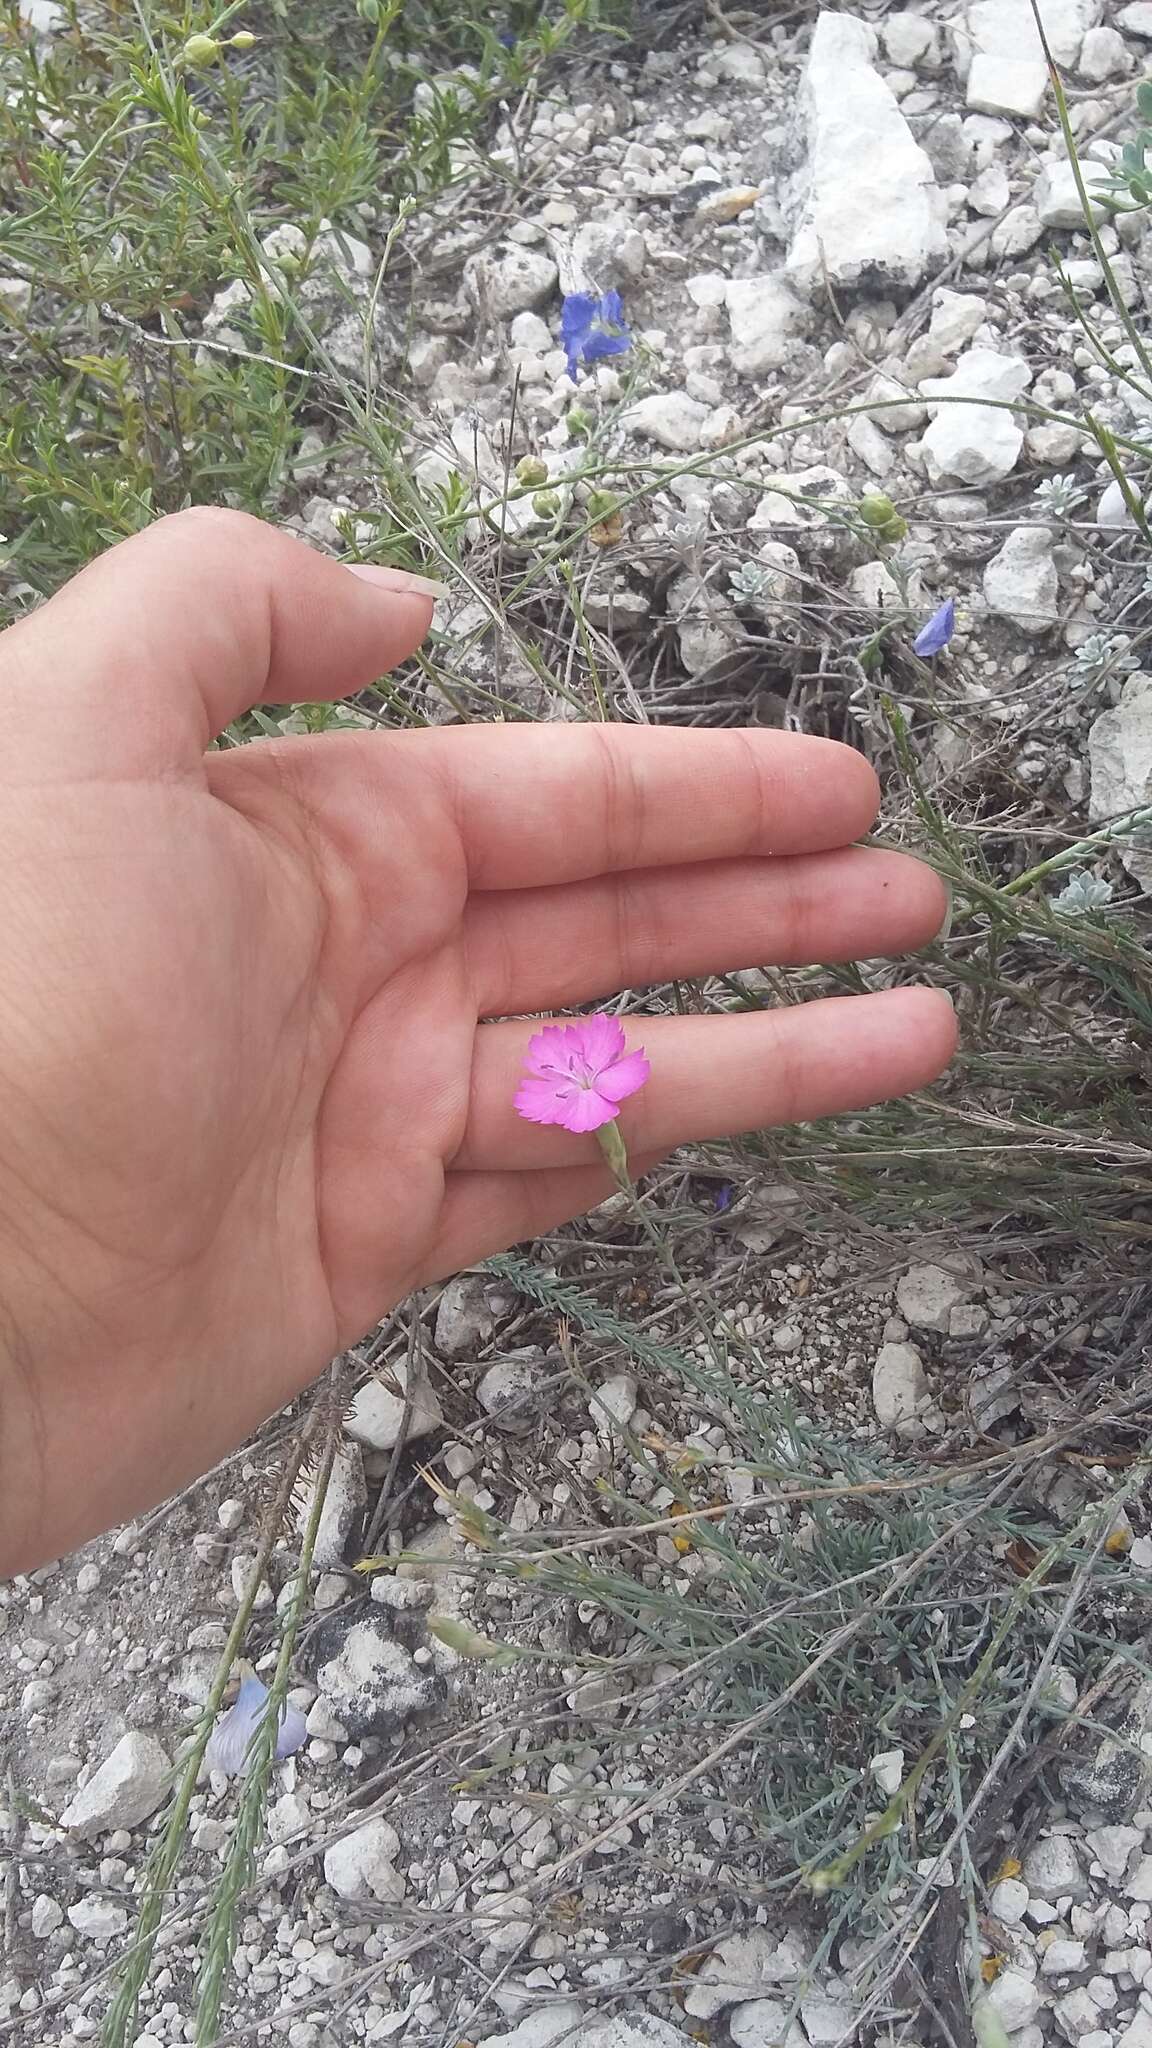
(248, 1096)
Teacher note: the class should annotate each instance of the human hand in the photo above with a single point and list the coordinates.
(247, 1098)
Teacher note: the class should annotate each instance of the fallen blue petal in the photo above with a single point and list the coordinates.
(231, 1739)
(591, 328)
(723, 1198)
(939, 630)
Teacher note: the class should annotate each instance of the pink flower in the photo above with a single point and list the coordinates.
(579, 1074)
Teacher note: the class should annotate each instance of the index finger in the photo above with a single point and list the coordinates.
(555, 803)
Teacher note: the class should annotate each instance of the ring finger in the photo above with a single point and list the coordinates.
(714, 1076)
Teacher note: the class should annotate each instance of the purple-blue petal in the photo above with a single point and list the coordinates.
(583, 324)
(599, 345)
(293, 1731)
(231, 1739)
(576, 317)
(938, 631)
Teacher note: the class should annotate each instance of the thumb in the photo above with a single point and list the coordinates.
(142, 659)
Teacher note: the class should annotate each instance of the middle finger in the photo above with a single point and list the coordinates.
(543, 949)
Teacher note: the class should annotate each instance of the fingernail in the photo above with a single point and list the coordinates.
(401, 582)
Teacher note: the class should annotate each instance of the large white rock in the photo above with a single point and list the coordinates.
(1005, 29)
(975, 443)
(829, 2021)
(909, 40)
(1053, 1870)
(1104, 54)
(509, 1391)
(128, 1787)
(1014, 1999)
(369, 1682)
(766, 321)
(602, 255)
(1007, 85)
(764, 2023)
(926, 1296)
(1112, 514)
(899, 1387)
(956, 316)
(342, 1515)
(1021, 583)
(508, 279)
(363, 1865)
(798, 498)
(1056, 197)
(1137, 18)
(464, 1321)
(46, 1916)
(1120, 766)
(376, 1415)
(43, 17)
(742, 1967)
(869, 214)
(98, 1919)
(670, 418)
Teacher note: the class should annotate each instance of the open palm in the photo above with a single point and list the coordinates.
(248, 1097)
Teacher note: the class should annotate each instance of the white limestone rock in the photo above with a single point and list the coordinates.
(615, 1402)
(975, 443)
(744, 1966)
(1104, 54)
(1021, 583)
(376, 1415)
(464, 1319)
(764, 2023)
(670, 418)
(766, 320)
(956, 318)
(1053, 1870)
(1006, 85)
(99, 1920)
(362, 1865)
(1007, 73)
(868, 214)
(1120, 766)
(900, 1390)
(1056, 197)
(508, 278)
(1014, 1999)
(126, 1789)
(342, 1515)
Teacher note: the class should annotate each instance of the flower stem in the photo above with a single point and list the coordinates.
(616, 1157)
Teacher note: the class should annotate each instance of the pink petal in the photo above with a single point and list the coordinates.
(544, 1099)
(601, 1039)
(624, 1076)
(589, 1109)
(553, 1051)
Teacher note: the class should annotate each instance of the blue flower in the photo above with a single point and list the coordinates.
(723, 1198)
(939, 630)
(591, 328)
(231, 1739)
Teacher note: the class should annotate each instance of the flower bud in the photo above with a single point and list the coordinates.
(200, 51)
